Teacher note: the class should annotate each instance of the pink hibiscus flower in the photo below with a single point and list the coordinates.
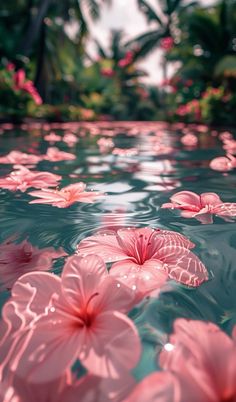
(18, 259)
(202, 207)
(78, 316)
(55, 155)
(66, 196)
(20, 158)
(23, 178)
(146, 257)
(202, 357)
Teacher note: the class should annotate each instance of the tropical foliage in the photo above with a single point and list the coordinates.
(46, 41)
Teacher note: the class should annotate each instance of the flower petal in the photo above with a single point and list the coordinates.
(156, 387)
(210, 199)
(104, 244)
(225, 209)
(182, 265)
(112, 346)
(81, 278)
(51, 348)
(186, 198)
(141, 279)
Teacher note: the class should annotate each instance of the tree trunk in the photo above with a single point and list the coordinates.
(34, 27)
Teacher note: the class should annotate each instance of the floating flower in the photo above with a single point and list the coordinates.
(223, 163)
(78, 316)
(70, 139)
(20, 158)
(202, 358)
(55, 155)
(105, 144)
(146, 257)
(52, 137)
(201, 207)
(189, 140)
(21, 258)
(23, 178)
(66, 196)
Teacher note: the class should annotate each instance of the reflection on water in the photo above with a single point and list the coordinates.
(136, 184)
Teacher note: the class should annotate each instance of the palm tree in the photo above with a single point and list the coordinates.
(39, 37)
(208, 47)
(165, 21)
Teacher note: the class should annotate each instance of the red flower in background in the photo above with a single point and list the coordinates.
(167, 43)
(26, 85)
(128, 59)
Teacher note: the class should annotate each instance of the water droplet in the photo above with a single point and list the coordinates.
(169, 347)
(52, 309)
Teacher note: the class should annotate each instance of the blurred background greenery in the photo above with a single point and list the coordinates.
(47, 73)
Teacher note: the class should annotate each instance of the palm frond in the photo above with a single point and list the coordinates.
(149, 12)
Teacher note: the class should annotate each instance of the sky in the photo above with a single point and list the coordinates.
(124, 14)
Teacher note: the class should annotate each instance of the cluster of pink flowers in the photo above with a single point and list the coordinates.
(127, 60)
(51, 323)
(82, 315)
(167, 43)
(20, 83)
(192, 107)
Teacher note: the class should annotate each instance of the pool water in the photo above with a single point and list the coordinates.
(136, 182)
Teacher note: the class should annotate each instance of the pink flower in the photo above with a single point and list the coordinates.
(146, 257)
(156, 387)
(78, 316)
(105, 144)
(18, 259)
(70, 139)
(23, 178)
(20, 158)
(202, 206)
(128, 59)
(223, 163)
(66, 196)
(19, 78)
(28, 86)
(167, 43)
(230, 146)
(202, 358)
(52, 137)
(189, 140)
(10, 66)
(55, 155)
(107, 72)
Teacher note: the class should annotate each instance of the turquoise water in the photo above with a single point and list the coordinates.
(135, 186)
